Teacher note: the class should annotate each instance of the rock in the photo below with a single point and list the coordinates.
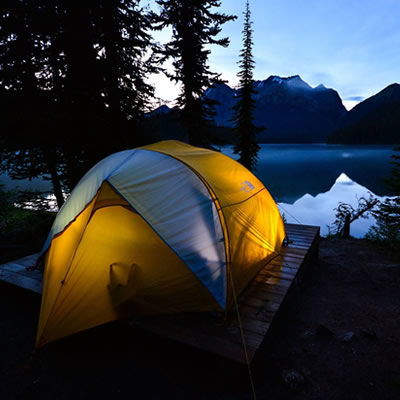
(348, 337)
(322, 330)
(368, 333)
(292, 379)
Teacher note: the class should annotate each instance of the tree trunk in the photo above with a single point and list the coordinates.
(55, 179)
(346, 227)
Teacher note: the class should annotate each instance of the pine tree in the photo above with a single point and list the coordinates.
(123, 47)
(387, 215)
(246, 131)
(115, 94)
(194, 26)
(24, 93)
(72, 76)
(393, 182)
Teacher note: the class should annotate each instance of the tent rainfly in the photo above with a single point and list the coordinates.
(164, 228)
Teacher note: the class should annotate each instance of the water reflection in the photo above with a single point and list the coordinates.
(308, 181)
(319, 209)
(289, 171)
(35, 184)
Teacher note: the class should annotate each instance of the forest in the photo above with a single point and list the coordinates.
(74, 80)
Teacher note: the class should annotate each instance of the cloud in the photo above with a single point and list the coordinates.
(321, 77)
(354, 98)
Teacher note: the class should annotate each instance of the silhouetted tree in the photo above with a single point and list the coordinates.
(393, 182)
(194, 26)
(73, 84)
(345, 214)
(387, 215)
(124, 46)
(246, 145)
(24, 94)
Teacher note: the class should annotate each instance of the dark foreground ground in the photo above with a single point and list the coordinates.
(338, 337)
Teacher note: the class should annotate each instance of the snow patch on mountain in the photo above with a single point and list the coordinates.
(295, 82)
(277, 79)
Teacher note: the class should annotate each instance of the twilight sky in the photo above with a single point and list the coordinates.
(352, 46)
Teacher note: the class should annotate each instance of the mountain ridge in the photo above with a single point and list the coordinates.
(313, 112)
(294, 112)
(376, 120)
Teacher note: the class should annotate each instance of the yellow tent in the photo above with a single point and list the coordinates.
(158, 229)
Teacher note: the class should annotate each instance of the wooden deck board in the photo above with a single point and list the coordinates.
(258, 304)
(16, 273)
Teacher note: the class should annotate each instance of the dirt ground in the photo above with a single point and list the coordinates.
(338, 337)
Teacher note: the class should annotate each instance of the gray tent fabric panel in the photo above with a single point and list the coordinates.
(178, 206)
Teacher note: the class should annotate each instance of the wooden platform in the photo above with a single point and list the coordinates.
(258, 304)
(18, 273)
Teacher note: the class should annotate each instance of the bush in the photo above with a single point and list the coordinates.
(21, 226)
(387, 215)
(387, 227)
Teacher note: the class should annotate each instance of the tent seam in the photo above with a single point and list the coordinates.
(68, 269)
(120, 165)
(243, 201)
(212, 193)
(159, 235)
(44, 250)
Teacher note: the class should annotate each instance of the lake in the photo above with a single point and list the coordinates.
(308, 181)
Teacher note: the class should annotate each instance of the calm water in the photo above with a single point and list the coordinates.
(291, 170)
(307, 181)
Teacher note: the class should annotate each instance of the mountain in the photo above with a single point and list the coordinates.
(164, 123)
(376, 120)
(294, 112)
(161, 110)
(289, 109)
(226, 98)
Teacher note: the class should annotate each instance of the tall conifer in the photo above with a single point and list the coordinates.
(387, 215)
(246, 145)
(25, 104)
(194, 26)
